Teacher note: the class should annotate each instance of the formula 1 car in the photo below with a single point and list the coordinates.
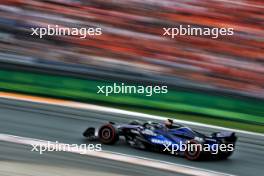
(177, 139)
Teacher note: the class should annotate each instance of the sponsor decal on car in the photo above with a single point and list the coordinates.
(159, 141)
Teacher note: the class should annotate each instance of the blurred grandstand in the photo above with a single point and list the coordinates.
(132, 47)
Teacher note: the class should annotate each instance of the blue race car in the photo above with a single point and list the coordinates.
(166, 137)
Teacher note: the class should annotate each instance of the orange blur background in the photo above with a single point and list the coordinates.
(132, 38)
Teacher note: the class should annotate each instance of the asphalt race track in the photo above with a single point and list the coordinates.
(19, 160)
(55, 123)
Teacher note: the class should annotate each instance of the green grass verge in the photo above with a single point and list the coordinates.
(246, 114)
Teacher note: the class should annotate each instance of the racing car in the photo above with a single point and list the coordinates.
(166, 137)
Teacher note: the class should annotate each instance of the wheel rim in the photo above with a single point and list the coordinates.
(194, 153)
(106, 133)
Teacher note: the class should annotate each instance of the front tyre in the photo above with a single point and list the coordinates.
(108, 134)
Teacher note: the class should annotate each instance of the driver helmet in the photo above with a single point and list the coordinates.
(168, 123)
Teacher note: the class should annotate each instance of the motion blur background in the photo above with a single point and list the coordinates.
(215, 81)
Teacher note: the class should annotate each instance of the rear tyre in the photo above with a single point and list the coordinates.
(108, 134)
(193, 150)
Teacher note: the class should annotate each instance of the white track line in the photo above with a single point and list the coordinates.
(72, 104)
(157, 164)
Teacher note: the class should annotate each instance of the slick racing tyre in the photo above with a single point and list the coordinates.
(108, 134)
(193, 150)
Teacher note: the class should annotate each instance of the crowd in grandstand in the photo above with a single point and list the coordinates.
(133, 37)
